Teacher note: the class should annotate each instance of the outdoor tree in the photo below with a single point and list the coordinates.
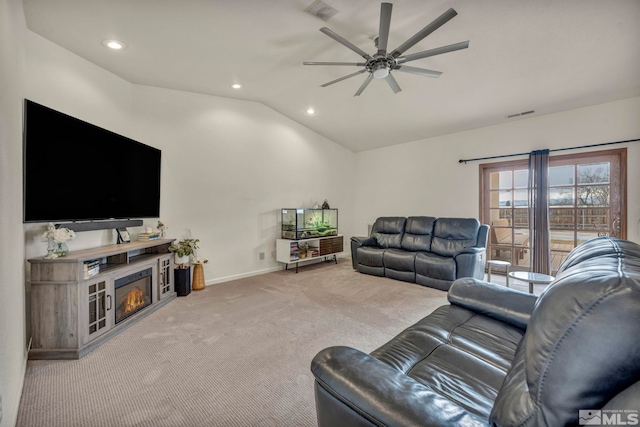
(598, 193)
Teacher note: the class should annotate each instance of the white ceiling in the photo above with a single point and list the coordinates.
(546, 55)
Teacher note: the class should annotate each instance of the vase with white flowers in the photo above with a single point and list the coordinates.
(56, 239)
(162, 227)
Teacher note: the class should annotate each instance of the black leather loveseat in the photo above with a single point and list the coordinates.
(422, 249)
(500, 357)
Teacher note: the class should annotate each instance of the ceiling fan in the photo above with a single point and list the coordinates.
(380, 64)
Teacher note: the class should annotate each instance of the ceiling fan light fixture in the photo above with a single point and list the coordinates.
(380, 71)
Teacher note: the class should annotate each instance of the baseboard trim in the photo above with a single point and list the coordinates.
(241, 276)
(259, 272)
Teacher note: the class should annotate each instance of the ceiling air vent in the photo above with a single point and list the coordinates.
(524, 113)
(321, 10)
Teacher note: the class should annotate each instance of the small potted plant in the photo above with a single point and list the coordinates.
(184, 249)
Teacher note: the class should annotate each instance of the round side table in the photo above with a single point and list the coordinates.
(532, 278)
(498, 263)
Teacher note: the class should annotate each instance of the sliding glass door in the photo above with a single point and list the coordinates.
(587, 198)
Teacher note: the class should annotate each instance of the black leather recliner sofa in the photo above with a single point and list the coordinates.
(422, 249)
(500, 357)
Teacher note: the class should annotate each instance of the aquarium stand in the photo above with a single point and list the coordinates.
(291, 252)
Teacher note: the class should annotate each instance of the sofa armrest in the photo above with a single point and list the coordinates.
(379, 393)
(483, 236)
(504, 304)
(364, 241)
(470, 262)
(356, 242)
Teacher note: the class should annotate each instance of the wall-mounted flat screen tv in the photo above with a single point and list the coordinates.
(76, 171)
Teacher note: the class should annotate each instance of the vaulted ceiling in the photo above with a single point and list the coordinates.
(542, 55)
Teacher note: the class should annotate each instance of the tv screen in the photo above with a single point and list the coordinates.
(75, 171)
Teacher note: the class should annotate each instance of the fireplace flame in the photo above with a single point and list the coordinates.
(133, 300)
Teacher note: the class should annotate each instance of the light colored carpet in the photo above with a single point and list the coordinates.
(235, 354)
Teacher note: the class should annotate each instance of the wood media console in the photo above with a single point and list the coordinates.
(74, 312)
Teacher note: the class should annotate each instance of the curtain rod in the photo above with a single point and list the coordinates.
(556, 149)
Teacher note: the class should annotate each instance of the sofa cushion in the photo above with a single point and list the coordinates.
(388, 231)
(457, 353)
(354, 389)
(370, 256)
(417, 233)
(440, 284)
(399, 260)
(370, 260)
(450, 235)
(435, 266)
(399, 265)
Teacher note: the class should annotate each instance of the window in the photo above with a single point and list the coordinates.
(587, 198)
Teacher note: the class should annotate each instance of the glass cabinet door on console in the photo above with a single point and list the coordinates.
(165, 279)
(98, 302)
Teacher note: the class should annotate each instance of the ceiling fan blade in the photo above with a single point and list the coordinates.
(356, 64)
(437, 23)
(433, 52)
(383, 32)
(343, 78)
(345, 42)
(418, 71)
(364, 85)
(393, 83)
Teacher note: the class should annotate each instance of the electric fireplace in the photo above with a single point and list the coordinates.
(133, 293)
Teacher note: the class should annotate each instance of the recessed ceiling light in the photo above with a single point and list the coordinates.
(310, 111)
(236, 85)
(114, 44)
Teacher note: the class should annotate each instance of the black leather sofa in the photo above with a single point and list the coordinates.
(422, 249)
(500, 357)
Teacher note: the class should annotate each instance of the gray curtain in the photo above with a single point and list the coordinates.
(539, 212)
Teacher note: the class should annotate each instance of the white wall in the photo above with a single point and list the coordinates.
(12, 297)
(228, 166)
(424, 177)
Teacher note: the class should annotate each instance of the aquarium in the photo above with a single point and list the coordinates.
(304, 223)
